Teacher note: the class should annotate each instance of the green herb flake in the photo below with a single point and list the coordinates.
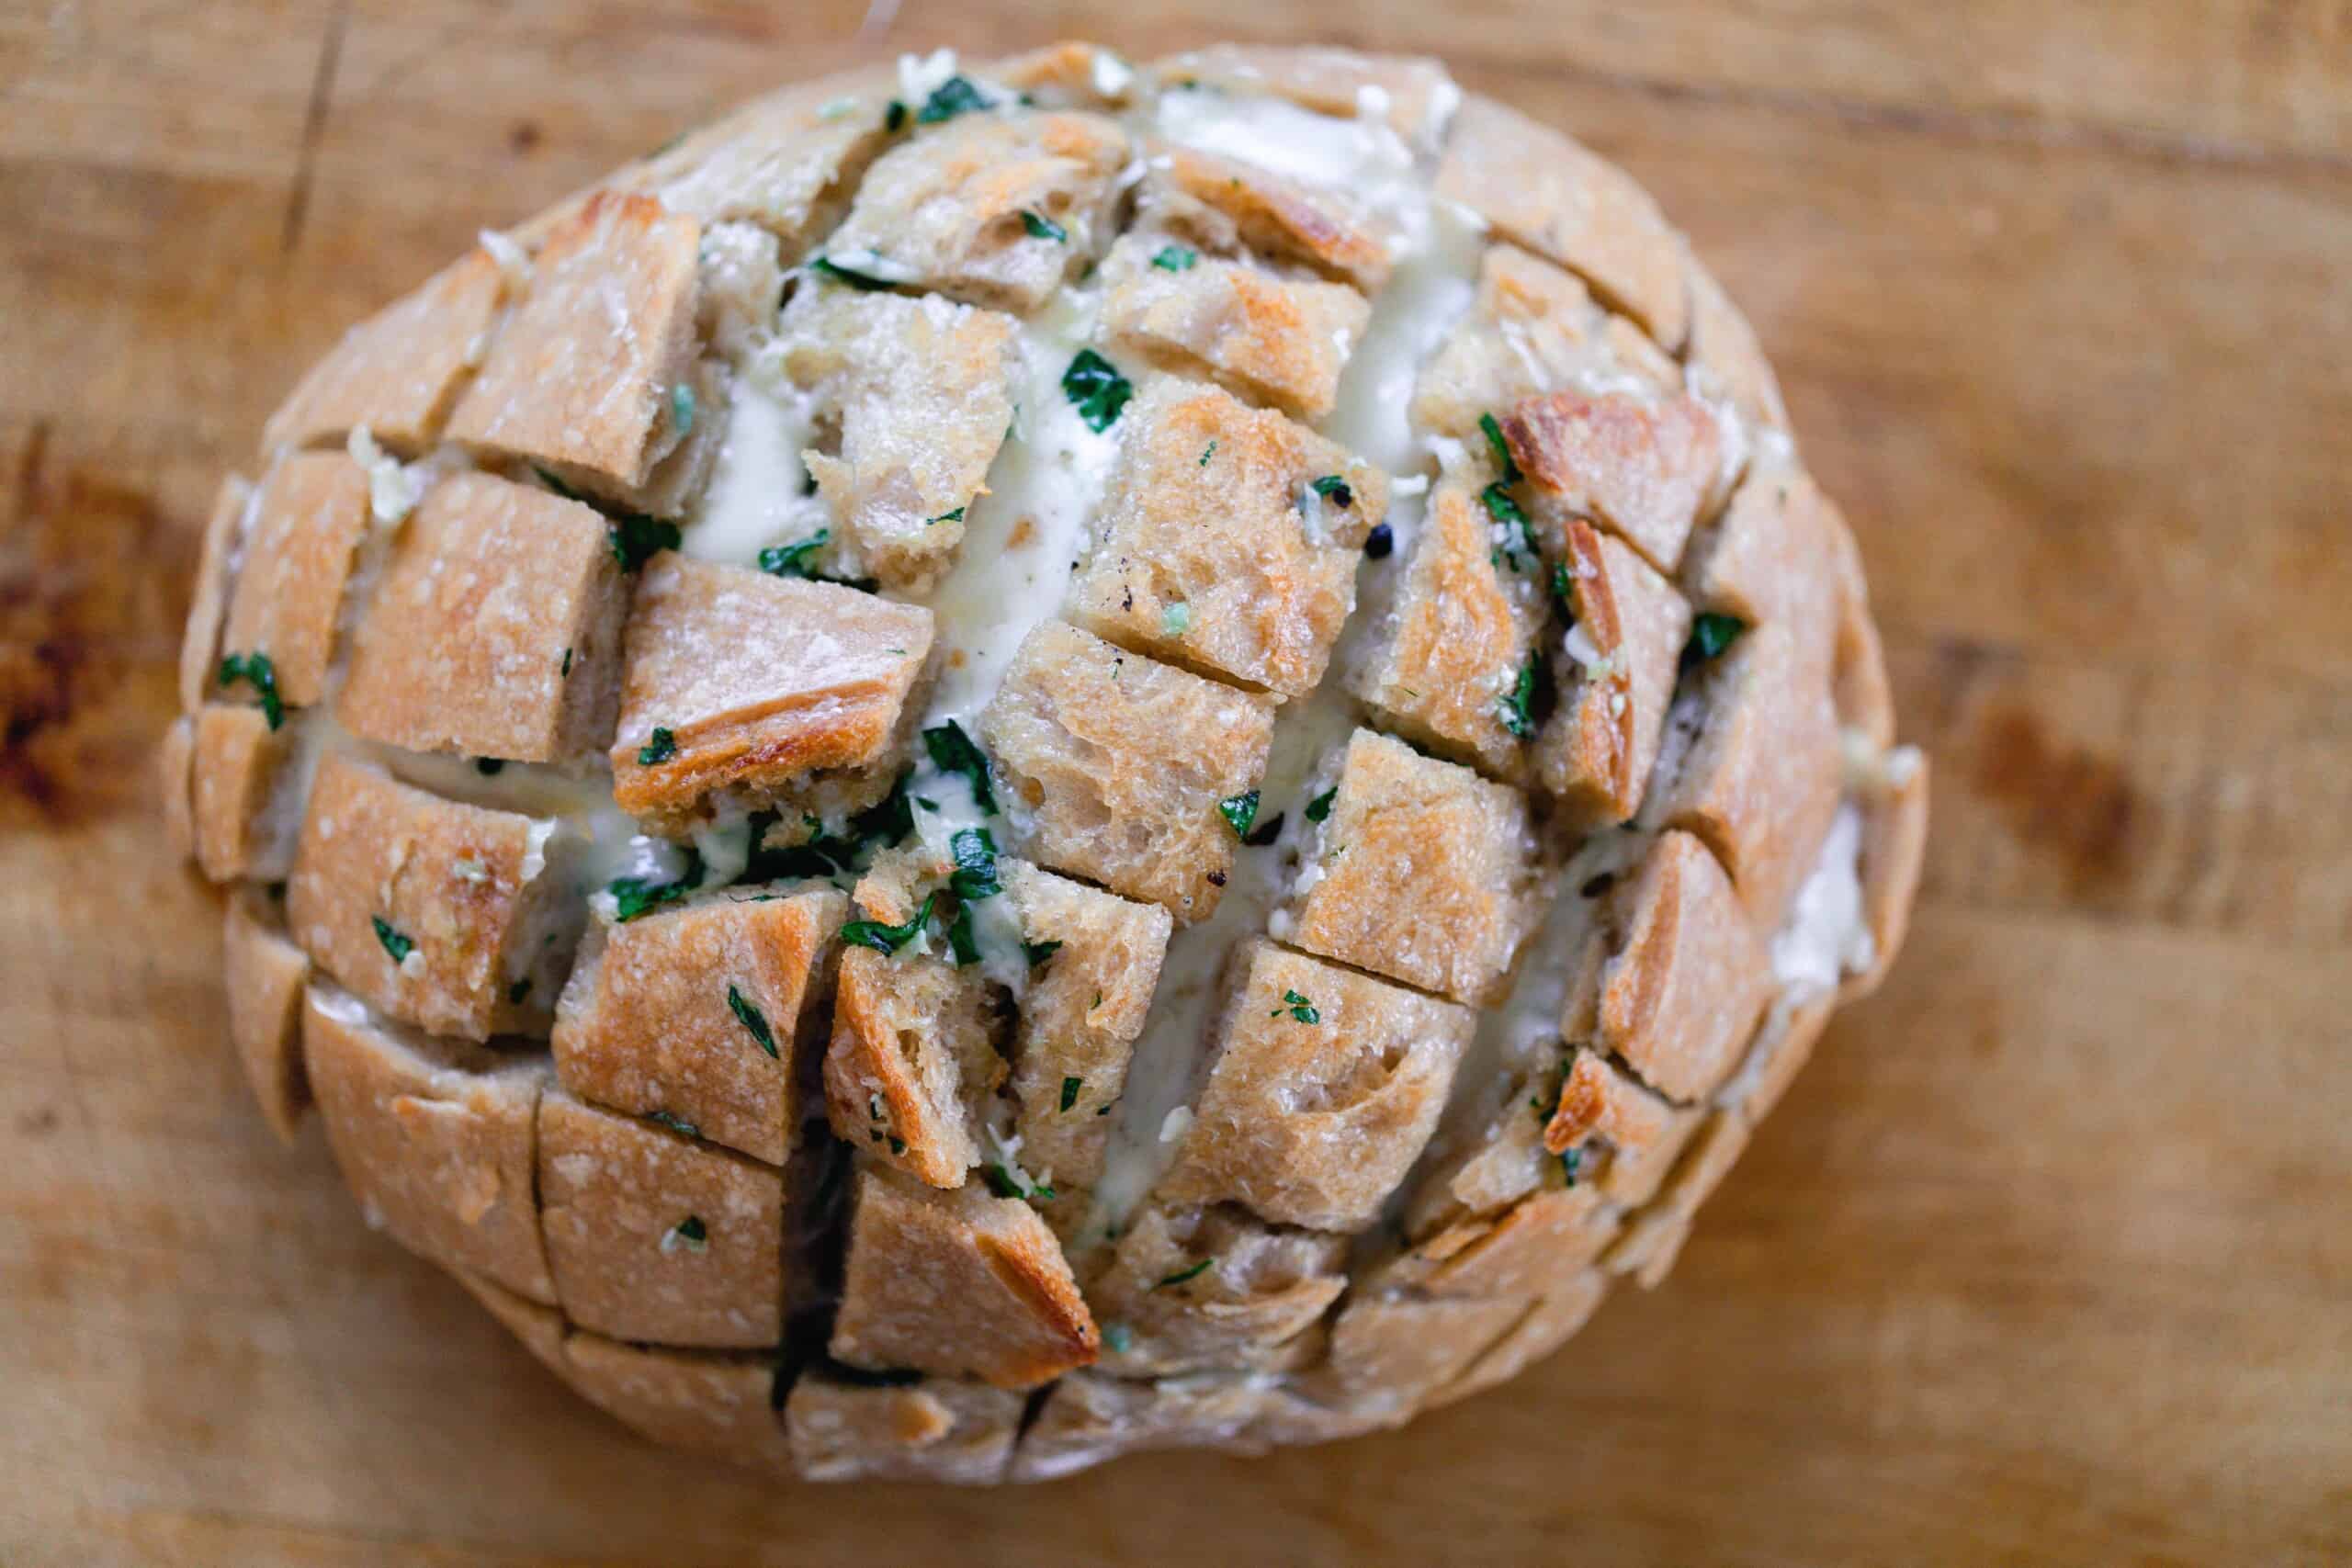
(954, 516)
(894, 116)
(255, 669)
(1506, 511)
(565, 668)
(398, 946)
(518, 990)
(1239, 811)
(795, 561)
(682, 408)
(752, 1019)
(1096, 390)
(1118, 1338)
(1563, 583)
(636, 895)
(1504, 463)
(1571, 1162)
(1176, 258)
(1041, 227)
(961, 940)
(677, 1124)
(689, 1235)
(883, 937)
(1038, 952)
(1334, 489)
(1178, 1277)
(975, 855)
(1711, 633)
(1207, 453)
(897, 1144)
(1512, 706)
(634, 540)
(1070, 1091)
(1320, 807)
(833, 271)
(660, 748)
(1298, 1007)
(954, 96)
(1175, 620)
(952, 751)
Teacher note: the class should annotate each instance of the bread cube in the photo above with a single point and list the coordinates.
(772, 691)
(969, 208)
(1274, 340)
(442, 915)
(299, 551)
(1543, 191)
(1446, 669)
(1065, 74)
(1226, 205)
(1089, 1417)
(1531, 329)
(1326, 1085)
(1086, 1004)
(1675, 979)
(1413, 94)
(1536, 1247)
(399, 373)
(719, 1405)
(1215, 550)
(1206, 1289)
(434, 1137)
(1389, 1351)
(1779, 554)
(1782, 1047)
(1646, 1248)
(1616, 679)
(581, 380)
(919, 1257)
(1420, 870)
(539, 1326)
(237, 764)
(1487, 1166)
(656, 1236)
(1113, 766)
(922, 390)
(938, 1429)
(1549, 1325)
(707, 1013)
(262, 977)
(1644, 466)
(779, 162)
(1758, 774)
(1625, 1135)
(208, 602)
(495, 630)
(913, 1061)
(1725, 365)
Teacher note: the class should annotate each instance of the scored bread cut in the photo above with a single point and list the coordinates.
(1009, 761)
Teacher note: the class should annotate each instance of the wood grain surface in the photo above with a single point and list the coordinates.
(2046, 1259)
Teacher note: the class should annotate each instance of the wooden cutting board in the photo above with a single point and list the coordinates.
(2047, 1257)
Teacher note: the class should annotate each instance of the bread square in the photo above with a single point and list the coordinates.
(298, 551)
(1615, 675)
(238, 763)
(263, 975)
(1644, 467)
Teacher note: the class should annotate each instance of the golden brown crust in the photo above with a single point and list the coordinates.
(299, 551)
(1625, 1135)
(263, 975)
(434, 1137)
(1115, 766)
(1224, 204)
(913, 1061)
(656, 1236)
(1643, 466)
(495, 630)
(919, 1257)
(774, 690)
(1213, 548)
(1326, 1085)
(705, 1013)
(1262, 336)
(1597, 750)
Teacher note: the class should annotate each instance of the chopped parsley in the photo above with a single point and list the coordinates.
(565, 668)
(1380, 542)
(1175, 620)
(1038, 952)
(689, 1233)
(1503, 461)
(1207, 453)
(1041, 227)
(954, 96)
(894, 116)
(961, 941)
(1563, 583)
(1320, 807)
(952, 751)
(1711, 634)
(635, 538)
(1178, 1277)
(1505, 511)
(795, 561)
(1298, 1007)
(825, 267)
(954, 516)
(489, 767)
(398, 946)
(1266, 832)
(1512, 706)
(1070, 1091)
(255, 669)
(1006, 1182)
(518, 990)
(975, 853)
(1571, 1162)
(682, 408)
(1334, 489)
(660, 748)
(1240, 812)
(1175, 258)
(884, 938)
(634, 896)
(1118, 1338)
(751, 1019)
(1096, 390)
(677, 1124)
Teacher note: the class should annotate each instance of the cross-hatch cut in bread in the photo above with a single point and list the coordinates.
(1011, 760)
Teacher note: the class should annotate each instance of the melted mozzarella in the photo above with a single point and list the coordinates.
(755, 498)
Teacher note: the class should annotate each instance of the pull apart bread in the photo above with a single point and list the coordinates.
(1007, 762)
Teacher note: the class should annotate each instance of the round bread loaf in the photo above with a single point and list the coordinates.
(1011, 761)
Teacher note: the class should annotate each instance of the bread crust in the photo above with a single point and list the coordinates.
(265, 975)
